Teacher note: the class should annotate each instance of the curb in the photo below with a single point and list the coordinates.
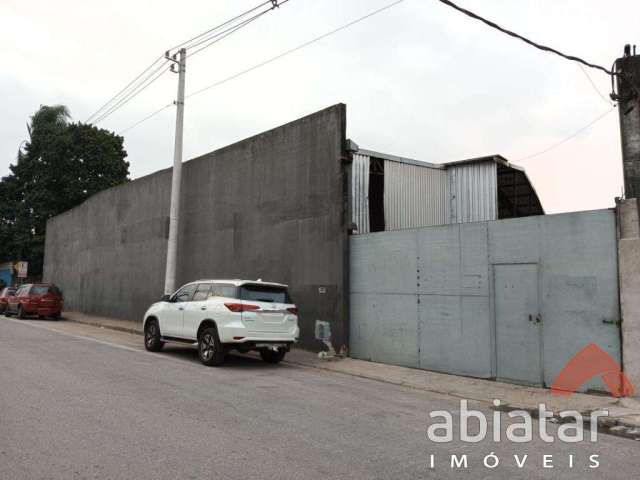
(108, 327)
(611, 425)
(617, 427)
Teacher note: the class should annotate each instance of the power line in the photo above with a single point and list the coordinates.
(123, 89)
(138, 84)
(524, 39)
(595, 87)
(295, 49)
(229, 31)
(573, 135)
(146, 118)
(148, 80)
(274, 58)
(237, 17)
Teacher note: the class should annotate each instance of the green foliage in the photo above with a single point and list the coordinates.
(59, 166)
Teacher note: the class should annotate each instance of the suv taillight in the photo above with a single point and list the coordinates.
(241, 307)
(293, 310)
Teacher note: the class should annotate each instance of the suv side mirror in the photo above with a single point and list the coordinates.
(166, 298)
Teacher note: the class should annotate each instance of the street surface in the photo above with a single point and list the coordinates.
(78, 401)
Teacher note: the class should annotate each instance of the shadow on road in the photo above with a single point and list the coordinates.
(233, 360)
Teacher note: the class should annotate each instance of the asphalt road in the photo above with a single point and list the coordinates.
(81, 402)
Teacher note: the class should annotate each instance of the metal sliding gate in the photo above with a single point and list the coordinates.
(513, 299)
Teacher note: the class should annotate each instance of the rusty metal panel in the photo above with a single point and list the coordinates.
(414, 196)
(473, 192)
(360, 192)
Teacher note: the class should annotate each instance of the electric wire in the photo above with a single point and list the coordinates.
(219, 36)
(570, 137)
(149, 79)
(148, 117)
(544, 48)
(97, 112)
(294, 49)
(595, 87)
(237, 17)
(137, 85)
(275, 58)
(209, 41)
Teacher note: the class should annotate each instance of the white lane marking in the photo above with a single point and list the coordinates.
(73, 335)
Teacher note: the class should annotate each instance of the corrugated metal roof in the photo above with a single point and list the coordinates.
(394, 158)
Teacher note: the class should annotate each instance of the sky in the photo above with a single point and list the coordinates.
(420, 79)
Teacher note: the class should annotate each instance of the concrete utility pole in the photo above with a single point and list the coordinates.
(628, 98)
(174, 212)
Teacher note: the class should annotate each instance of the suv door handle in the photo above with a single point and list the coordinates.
(180, 308)
(203, 308)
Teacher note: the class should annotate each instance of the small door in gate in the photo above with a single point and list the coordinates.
(518, 324)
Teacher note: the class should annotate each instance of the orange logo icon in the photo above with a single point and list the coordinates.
(592, 361)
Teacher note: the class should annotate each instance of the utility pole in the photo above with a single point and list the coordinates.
(174, 211)
(627, 71)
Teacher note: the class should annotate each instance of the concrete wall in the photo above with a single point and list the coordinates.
(629, 258)
(271, 207)
(425, 297)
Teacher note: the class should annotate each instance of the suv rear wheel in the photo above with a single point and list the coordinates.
(152, 341)
(271, 356)
(210, 349)
(20, 312)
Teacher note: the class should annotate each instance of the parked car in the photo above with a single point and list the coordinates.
(223, 315)
(4, 297)
(41, 299)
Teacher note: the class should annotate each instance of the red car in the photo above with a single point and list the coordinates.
(4, 297)
(41, 299)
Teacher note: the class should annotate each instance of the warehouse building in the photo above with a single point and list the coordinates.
(408, 262)
(279, 206)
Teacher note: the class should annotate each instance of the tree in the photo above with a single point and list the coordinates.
(60, 166)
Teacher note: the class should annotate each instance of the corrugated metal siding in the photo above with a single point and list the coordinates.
(360, 192)
(414, 196)
(474, 192)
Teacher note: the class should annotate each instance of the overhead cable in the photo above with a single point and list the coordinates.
(570, 137)
(544, 48)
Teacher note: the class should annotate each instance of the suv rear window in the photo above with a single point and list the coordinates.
(39, 289)
(264, 293)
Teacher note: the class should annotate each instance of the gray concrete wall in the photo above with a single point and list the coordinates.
(629, 258)
(271, 207)
(425, 297)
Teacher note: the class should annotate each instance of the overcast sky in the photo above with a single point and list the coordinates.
(420, 80)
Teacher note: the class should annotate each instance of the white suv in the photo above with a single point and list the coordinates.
(222, 315)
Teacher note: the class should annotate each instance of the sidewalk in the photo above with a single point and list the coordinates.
(623, 419)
